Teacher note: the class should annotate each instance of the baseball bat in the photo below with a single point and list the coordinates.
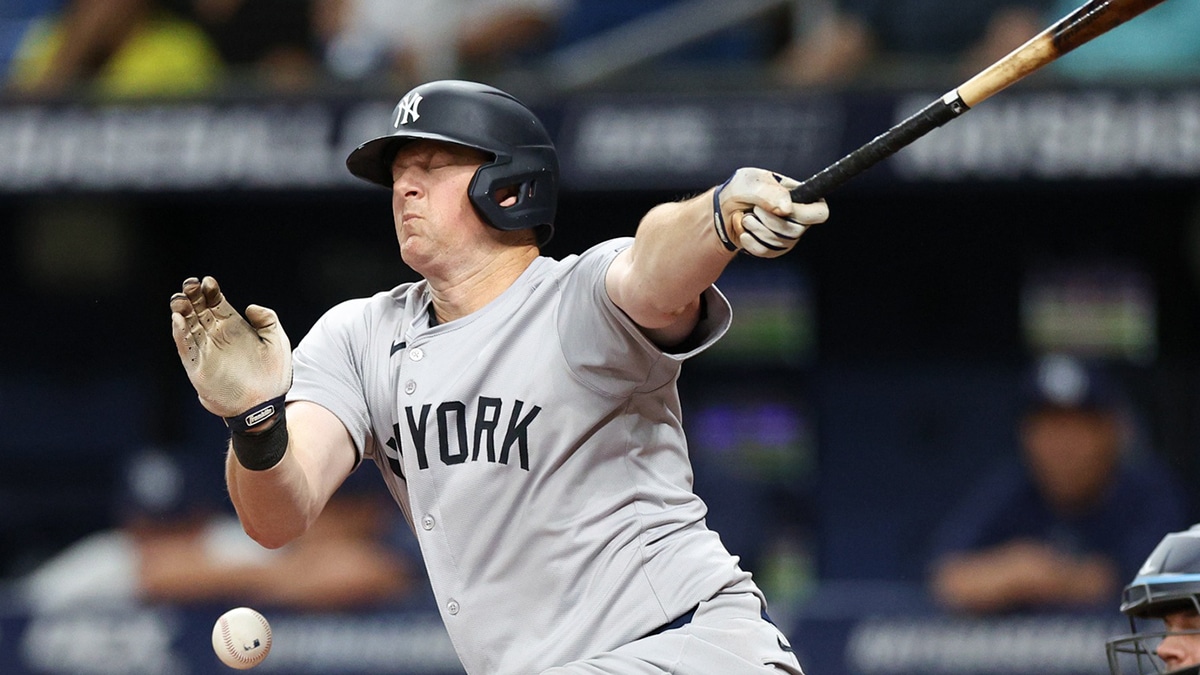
(1087, 22)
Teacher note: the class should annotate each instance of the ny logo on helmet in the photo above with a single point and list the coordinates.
(407, 110)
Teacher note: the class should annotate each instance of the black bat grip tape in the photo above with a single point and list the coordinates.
(880, 148)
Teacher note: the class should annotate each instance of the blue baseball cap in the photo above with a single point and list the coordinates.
(1067, 383)
(160, 483)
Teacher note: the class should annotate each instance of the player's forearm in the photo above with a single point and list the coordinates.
(276, 505)
(675, 256)
(279, 503)
(681, 248)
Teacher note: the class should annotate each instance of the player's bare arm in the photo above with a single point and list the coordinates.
(681, 248)
(279, 504)
(281, 468)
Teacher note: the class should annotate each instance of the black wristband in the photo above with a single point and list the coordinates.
(256, 415)
(261, 451)
(719, 220)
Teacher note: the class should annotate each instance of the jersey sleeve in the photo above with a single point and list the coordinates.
(609, 350)
(328, 371)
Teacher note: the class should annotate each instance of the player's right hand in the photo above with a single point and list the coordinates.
(753, 212)
(234, 363)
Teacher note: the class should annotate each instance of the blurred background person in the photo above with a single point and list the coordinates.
(431, 39)
(17, 17)
(1161, 45)
(1061, 524)
(166, 47)
(839, 42)
(178, 541)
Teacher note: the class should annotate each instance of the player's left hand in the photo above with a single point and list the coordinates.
(234, 363)
(753, 212)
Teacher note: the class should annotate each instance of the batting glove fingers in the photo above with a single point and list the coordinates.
(234, 363)
(767, 235)
(753, 211)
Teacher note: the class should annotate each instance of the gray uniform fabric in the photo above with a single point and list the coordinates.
(536, 449)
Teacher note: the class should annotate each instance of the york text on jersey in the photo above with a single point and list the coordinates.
(449, 422)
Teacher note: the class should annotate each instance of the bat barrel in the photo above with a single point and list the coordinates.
(1093, 19)
(1090, 20)
(1087, 22)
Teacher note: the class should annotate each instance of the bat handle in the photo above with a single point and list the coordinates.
(880, 148)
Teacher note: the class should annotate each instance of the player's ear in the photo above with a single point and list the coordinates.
(507, 196)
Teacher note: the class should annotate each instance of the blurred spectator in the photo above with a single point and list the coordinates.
(116, 47)
(166, 47)
(745, 42)
(430, 39)
(179, 543)
(1161, 45)
(16, 19)
(1064, 525)
(836, 42)
(271, 42)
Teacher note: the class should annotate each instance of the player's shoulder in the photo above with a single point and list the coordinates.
(608, 248)
(373, 308)
(598, 255)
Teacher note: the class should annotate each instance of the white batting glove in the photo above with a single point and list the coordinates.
(753, 212)
(235, 364)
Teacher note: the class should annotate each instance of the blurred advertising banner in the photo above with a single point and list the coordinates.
(174, 641)
(618, 141)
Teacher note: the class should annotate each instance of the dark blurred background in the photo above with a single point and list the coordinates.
(870, 379)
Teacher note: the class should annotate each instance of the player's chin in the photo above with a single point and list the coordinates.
(415, 252)
(407, 239)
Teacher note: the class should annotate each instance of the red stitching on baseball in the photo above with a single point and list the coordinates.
(227, 638)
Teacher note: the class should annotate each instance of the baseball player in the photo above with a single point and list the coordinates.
(1165, 591)
(522, 410)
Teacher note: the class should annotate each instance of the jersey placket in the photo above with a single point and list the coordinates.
(416, 372)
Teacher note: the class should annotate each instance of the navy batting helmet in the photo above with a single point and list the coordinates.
(487, 119)
(1168, 582)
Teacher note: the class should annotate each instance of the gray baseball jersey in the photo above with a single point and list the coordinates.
(536, 449)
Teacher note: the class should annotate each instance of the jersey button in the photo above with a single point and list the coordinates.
(416, 354)
(452, 607)
(427, 522)
(410, 387)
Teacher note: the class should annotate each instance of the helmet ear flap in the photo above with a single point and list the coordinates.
(536, 193)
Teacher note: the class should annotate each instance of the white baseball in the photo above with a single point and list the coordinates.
(241, 638)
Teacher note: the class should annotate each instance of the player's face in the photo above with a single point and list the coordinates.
(1180, 651)
(435, 222)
